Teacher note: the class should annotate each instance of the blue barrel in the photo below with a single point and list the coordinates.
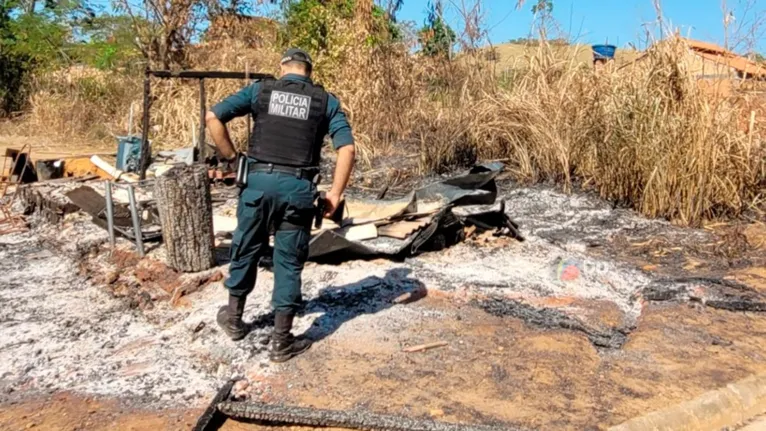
(128, 153)
(604, 52)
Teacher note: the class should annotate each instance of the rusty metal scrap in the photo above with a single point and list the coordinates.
(10, 222)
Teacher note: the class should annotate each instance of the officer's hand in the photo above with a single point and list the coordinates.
(331, 203)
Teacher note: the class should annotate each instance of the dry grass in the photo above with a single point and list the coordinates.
(645, 135)
(510, 56)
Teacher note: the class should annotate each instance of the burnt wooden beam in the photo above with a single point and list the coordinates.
(143, 163)
(201, 149)
(184, 74)
(203, 74)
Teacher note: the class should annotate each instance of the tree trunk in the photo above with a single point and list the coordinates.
(186, 214)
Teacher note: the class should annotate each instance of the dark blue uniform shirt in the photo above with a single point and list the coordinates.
(241, 103)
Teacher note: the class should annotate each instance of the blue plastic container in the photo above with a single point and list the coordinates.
(604, 52)
(128, 153)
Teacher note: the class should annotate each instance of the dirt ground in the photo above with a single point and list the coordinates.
(494, 370)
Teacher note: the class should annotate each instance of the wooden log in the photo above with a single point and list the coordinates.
(186, 213)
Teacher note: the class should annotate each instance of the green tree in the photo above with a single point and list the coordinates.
(436, 37)
(108, 42)
(35, 36)
(309, 23)
(14, 67)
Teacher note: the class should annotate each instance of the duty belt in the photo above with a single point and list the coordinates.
(311, 174)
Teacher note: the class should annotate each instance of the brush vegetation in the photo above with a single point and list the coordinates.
(645, 135)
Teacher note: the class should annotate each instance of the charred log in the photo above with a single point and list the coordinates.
(302, 416)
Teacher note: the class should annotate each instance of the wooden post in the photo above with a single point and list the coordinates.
(146, 152)
(201, 149)
(750, 128)
(186, 214)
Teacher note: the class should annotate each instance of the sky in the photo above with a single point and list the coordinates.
(619, 22)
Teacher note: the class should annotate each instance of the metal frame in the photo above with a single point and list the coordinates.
(135, 215)
(15, 223)
(184, 74)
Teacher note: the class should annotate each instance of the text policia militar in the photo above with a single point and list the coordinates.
(289, 105)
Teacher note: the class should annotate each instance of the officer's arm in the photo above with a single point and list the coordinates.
(220, 135)
(236, 105)
(343, 141)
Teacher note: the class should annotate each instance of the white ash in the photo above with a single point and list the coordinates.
(60, 332)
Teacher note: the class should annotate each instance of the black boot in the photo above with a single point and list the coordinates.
(230, 318)
(283, 345)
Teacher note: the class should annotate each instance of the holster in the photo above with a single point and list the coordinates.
(319, 210)
(242, 170)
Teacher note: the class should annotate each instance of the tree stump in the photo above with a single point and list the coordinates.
(186, 214)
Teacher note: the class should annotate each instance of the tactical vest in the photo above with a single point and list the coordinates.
(289, 123)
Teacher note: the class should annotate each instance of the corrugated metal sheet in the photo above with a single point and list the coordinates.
(699, 45)
(741, 64)
(718, 54)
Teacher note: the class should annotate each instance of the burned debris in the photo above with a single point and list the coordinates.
(225, 404)
(524, 256)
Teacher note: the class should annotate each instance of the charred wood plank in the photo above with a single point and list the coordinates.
(211, 419)
(202, 74)
(303, 416)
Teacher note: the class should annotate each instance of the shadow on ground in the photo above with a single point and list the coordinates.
(341, 304)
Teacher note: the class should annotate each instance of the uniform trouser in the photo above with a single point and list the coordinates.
(271, 199)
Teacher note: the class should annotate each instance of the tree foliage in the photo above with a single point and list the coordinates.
(38, 36)
(14, 67)
(436, 37)
(308, 23)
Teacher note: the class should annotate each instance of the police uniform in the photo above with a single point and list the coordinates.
(291, 116)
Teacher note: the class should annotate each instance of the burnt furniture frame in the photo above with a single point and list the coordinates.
(184, 74)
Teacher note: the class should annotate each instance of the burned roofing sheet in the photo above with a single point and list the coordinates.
(427, 210)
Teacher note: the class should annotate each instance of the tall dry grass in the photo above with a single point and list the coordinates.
(644, 135)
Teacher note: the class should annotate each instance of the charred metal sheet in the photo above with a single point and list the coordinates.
(476, 187)
(303, 416)
(492, 218)
(93, 204)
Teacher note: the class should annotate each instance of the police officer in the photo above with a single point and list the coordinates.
(292, 116)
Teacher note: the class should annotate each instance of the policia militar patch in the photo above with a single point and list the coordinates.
(289, 105)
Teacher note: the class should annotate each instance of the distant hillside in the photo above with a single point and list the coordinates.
(512, 55)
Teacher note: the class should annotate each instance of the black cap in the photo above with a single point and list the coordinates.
(296, 54)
